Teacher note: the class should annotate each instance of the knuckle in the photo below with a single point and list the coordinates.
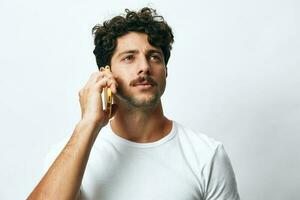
(104, 80)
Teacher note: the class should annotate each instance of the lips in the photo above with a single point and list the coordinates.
(143, 84)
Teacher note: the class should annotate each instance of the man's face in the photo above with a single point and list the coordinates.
(140, 70)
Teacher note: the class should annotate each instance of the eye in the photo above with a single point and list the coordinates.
(128, 58)
(155, 58)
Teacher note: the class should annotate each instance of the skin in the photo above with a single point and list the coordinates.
(140, 115)
(137, 79)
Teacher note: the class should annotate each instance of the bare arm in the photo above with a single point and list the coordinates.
(63, 178)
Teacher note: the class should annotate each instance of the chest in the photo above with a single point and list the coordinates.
(115, 173)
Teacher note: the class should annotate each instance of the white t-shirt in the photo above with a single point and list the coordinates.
(183, 165)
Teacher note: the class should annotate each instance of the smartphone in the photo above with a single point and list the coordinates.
(107, 96)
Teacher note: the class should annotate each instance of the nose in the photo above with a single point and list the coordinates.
(144, 66)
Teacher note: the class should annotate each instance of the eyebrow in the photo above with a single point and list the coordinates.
(151, 51)
(135, 51)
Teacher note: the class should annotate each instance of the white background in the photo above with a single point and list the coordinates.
(233, 75)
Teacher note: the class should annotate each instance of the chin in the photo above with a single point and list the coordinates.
(145, 102)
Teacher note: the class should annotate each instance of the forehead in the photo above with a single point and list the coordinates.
(134, 40)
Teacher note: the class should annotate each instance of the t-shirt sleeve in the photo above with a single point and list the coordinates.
(220, 181)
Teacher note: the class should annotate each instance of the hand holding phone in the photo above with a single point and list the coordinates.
(108, 96)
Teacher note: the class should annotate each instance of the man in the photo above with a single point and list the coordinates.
(139, 154)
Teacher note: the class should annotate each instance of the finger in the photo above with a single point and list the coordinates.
(112, 84)
(113, 89)
(101, 76)
(94, 77)
(102, 84)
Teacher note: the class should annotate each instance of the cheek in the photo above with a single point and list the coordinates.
(123, 79)
(161, 74)
(122, 75)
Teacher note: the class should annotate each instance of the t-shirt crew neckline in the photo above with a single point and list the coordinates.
(118, 139)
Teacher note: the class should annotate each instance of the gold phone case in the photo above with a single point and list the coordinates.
(108, 97)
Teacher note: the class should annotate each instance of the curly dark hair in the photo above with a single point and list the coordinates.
(145, 21)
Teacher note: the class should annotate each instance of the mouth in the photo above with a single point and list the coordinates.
(143, 85)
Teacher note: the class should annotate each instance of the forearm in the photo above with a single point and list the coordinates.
(63, 179)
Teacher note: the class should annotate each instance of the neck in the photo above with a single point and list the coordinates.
(141, 125)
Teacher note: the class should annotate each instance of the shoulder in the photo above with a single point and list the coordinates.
(208, 157)
(199, 141)
(197, 147)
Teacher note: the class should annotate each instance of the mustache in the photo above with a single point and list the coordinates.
(141, 79)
